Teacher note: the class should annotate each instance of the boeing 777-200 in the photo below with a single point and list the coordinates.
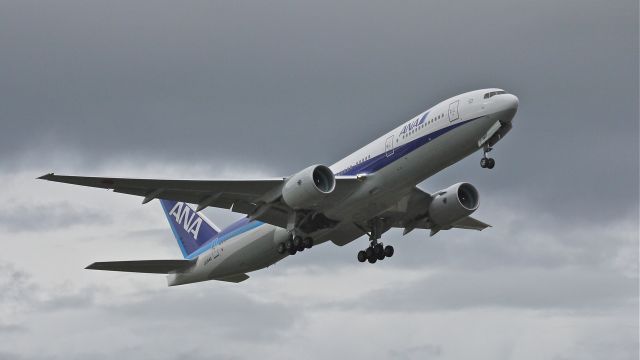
(366, 193)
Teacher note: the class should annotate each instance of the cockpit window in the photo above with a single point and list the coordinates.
(494, 93)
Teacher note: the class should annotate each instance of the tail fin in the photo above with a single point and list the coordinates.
(192, 230)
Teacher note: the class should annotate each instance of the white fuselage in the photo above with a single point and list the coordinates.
(393, 165)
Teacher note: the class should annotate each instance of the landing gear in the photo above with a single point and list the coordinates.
(307, 242)
(362, 256)
(298, 243)
(486, 162)
(376, 251)
(388, 251)
(289, 247)
(294, 244)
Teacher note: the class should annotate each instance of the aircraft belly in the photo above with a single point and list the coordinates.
(251, 251)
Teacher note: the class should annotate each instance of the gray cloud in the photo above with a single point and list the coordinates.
(566, 290)
(11, 328)
(227, 312)
(41, 217)
(417, 352)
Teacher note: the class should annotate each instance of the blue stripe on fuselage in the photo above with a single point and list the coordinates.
(379, 161)
(237, 228)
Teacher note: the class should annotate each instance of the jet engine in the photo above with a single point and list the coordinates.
(307, 189)
(453, 203)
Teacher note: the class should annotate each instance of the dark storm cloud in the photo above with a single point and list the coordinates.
(49, 216)
(206, 82)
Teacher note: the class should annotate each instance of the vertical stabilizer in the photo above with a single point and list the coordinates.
(191, 229)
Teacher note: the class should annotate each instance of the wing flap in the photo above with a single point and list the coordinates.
(143, 266)
(470, 223)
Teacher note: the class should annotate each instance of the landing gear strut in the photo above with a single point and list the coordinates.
(486, 162)
(376, 251)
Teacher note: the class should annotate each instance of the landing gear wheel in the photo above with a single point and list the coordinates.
(362, 256)
(372, 260)
(300, 248)
(388, 251)
(292, 251)
(307, 242)
(369, 253)
(297, 242)
(378, 251)
(281, 248)
(483, 162)
(490, 163)
(288, 245)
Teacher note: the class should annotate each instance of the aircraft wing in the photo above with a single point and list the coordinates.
(411, 213)
(242, 196)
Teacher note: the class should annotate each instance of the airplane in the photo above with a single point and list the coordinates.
(367, 193)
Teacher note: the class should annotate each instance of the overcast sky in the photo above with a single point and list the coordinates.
(238, 89)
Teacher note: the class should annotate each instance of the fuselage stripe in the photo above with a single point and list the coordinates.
(378, 162)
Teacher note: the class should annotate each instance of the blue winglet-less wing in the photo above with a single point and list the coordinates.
(193, 231)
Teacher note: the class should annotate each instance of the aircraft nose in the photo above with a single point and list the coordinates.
(508, 105)
(509, 102)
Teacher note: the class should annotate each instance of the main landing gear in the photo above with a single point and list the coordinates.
(376, 251)
(295, 244)
(486, 162)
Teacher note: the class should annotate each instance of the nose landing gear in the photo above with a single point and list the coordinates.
(487, 162)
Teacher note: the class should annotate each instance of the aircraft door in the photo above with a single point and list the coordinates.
(388, 146)
(453, 111)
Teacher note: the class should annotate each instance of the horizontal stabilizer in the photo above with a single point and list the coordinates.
(143, 266)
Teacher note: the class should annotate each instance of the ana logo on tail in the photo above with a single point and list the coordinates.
(189, 220)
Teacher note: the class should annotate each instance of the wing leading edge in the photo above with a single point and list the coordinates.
(259, 198)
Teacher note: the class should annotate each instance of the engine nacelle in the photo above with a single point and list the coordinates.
(307, 189)
(453, 203)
